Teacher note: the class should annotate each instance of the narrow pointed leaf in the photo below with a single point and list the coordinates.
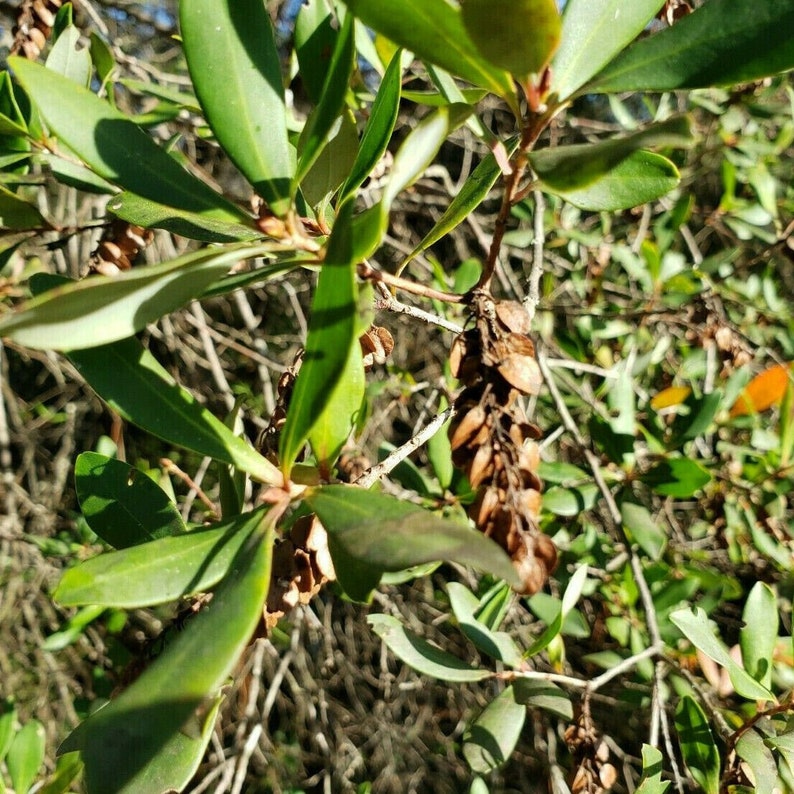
(593, 32)
(752, 749)
(420, 654)
(105, 309)
(433, 30)
(490, 740)
(569, 599)
(568, 168)
(722, 43)
(17, 214)
(316, 33)
(332, 331)
(236, 72)
(115, 147)
(134, 745)
(121, 504)
(159, 571)
(137, 387)
(697, 745)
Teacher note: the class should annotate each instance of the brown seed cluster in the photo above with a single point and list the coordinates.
(35, 19)
(120, 244)
(593, 774)
(492, 439)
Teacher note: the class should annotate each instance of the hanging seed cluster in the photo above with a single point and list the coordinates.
(120, 244)
(35, 19)
(492, 439)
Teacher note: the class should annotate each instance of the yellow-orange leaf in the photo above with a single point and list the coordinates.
(763, 391)
(673, 395)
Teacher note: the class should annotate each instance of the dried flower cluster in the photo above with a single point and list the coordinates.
(492, 439)
(35, 19)
(120, 244)
(593, 773)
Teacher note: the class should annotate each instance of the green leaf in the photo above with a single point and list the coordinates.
(642, 529)
(698, 748)
(67, 768)
(74, 174)
(17, 214)
(572, 593)
(497, 644)
(106, 309)
(69, 58)
(569, 168)
(758, 636)
(570, 501)
(8, 719)
(722, 43)
(102, 58)
(332, 167)
(695, 626)
(752, 749)
(490, 740)
(640, 178)
(151, 215)
(543, 695)
(377, 133)
(236, 72)
(333, 329)
(121, 504)
(420, 654)
(701, 413)
(593, 32)
(680, 478)
(144, 741)
(115, 147)
(72, 629)
(433, 30)
(651, 782)
(159, 571)
(26, 755)
(315, 39)
(389, 534)
(137, 387)
(319, 124)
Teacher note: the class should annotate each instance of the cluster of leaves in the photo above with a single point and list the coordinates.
(152, 736)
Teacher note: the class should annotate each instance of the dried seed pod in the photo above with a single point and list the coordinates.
(481, 466)
(513, 316)
(376, 345)
(521, 372)
(465, 426)
(485, 505)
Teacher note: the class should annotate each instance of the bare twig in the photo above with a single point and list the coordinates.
(368, 273)
(536, 272)
(388, 302)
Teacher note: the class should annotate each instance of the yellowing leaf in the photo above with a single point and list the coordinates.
(666, 398)
(763, 391)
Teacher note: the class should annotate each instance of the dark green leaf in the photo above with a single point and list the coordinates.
(390, 535)
(642, 529)
(433, 30)
(698, 748)
(722, 43)
(332, 166)
(61, 781)
(26, 755)
(142, 742)
(74, 174)
(116, 148)
(680, 478)
(543, 695)
(17, 214)
(121, 504)
(420, 654)
(698, 418)
(136, 386)
(569, 168)
(593, 32)
(490, 740)
(651, 782)
(102, 57)
(159, 571)
(315, 39)
(236, 71)
(570, 501)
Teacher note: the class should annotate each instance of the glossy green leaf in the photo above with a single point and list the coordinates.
(8, 720)
(115, 147)
(69, 58)
(121, 504)
(379, 128)
(593, 32)
(758, 636)
(315, 38)
(420, 654)
(651, 782)
(569, 168)
(497, 644)
(332, 99)
(332, 166)
(570, 501)
(333, 328)
(105, 309)
(642, 529)
(572, 593)
(151, 215)
(138, 388)
(640, 178)
(752, 749)
(389, 534)
(490, 740)
(102, 57)
(680, 478)
(67, 769)
(543, 695)
(26, 755)
(695, 626)
(236, 72)
(519, 36)
(433, 30)
(17, 214)
(699, 415)
(722, 43)
(74, 174)
(698, 748)
(159, 571)
(142, 742)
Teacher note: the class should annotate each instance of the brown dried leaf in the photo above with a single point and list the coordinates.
(521, 372)
(481, 466)
(465, 425)
(513, 316)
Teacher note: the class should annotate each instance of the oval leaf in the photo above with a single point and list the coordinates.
(698, 748)
(680, 478)
(763, 391)
(758, 636)
(236, 71)
(26, 755)
(490, 740)
(140, 742)
(420, 654)
(159, 571)
(121, 504)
